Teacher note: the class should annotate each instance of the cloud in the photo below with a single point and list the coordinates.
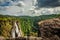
(10, 10)
(26, 8)
(15, 8)
(48, 3)
(9, 2)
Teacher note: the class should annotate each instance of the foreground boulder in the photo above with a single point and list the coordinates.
(50, 29)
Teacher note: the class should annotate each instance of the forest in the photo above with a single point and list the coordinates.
(29, 25)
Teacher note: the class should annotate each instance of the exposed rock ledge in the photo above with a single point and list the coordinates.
(50, 29)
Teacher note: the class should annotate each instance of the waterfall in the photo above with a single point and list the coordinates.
(16, 31)
(13, 33)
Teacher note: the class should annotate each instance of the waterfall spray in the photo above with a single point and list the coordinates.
(15, 30)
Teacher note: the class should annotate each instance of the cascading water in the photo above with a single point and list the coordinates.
(16, 31)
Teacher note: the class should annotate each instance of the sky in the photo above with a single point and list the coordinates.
(29, 7)
(48, 3)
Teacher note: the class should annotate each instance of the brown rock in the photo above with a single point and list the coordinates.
(49, 28)
(2, 38)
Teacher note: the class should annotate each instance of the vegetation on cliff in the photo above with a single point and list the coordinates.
(28, 24)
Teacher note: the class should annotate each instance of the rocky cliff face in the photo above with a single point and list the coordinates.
(50, 29)
(6, 27)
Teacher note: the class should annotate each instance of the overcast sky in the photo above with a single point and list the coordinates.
(29, 7)
(51, 3)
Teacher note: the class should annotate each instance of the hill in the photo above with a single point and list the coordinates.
(28, 24)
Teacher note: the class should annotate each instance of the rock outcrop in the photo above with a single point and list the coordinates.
(50, 29)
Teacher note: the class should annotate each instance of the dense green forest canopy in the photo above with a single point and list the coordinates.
(29, 25)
